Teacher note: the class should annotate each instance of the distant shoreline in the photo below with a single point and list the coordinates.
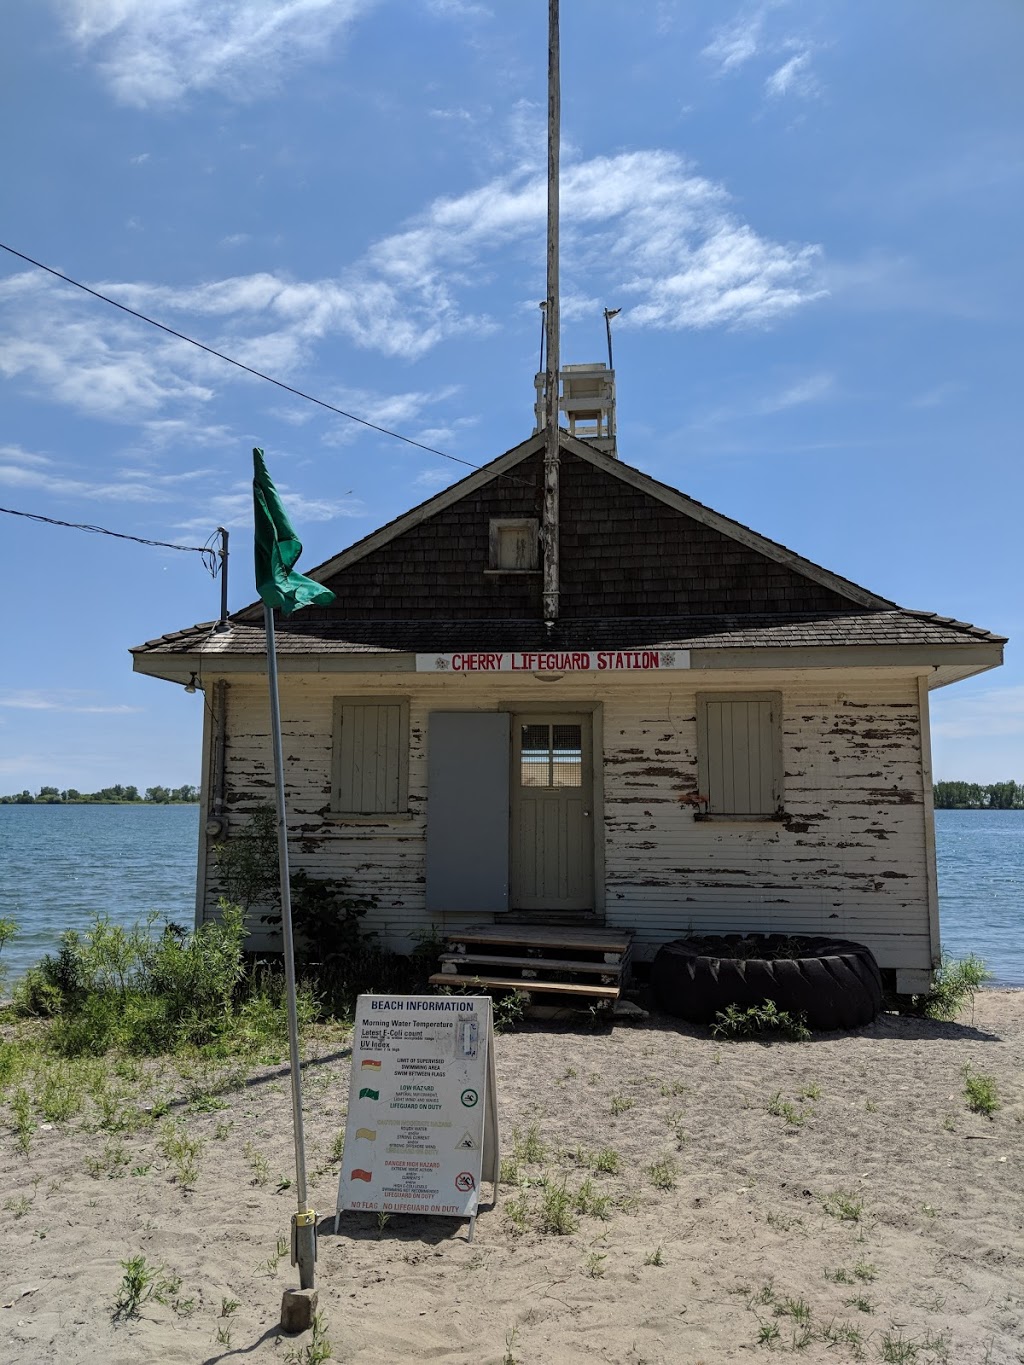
(140, 802)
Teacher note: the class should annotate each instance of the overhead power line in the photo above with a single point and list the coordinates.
(258, 374)
(209, 557)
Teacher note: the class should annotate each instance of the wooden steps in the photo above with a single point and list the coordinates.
(578, 962)
(512, 983)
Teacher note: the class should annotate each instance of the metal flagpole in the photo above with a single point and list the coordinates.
(304, 1221)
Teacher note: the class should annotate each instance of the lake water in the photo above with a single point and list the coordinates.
(59, 865)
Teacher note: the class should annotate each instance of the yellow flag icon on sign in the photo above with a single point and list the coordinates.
(369, 1133)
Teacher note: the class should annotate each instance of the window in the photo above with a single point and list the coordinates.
(550, 755)
(739, 753)
(371, 756)
(514, 546)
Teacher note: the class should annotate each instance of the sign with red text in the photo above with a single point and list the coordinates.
(555, 661)
(421, 1130)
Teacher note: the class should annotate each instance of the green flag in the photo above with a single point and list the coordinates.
(277, 549)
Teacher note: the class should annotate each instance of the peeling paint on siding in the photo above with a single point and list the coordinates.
(849, 859)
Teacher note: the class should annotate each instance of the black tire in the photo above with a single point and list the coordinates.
(834, 983)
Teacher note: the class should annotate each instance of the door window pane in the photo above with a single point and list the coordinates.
(535, 756)
(567, 756)
(551, 756)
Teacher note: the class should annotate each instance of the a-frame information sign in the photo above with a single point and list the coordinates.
(421, 1131)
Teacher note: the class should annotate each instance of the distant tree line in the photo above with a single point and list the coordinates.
(106, 796)
(975, 796)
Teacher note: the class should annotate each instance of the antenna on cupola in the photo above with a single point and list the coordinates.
(549, 525)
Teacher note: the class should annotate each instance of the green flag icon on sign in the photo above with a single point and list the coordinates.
(277, 550)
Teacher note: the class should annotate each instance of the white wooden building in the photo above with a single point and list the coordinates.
(715, 734)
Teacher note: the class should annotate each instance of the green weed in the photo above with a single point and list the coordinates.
(142, 1281)
(620, 1104)
(981, 1093)
(797, 1309)
(111, 1162)
(258, 1162)
(594, 1265)
(654, 1257)
(61, 1095)
(861, 1302)
(783, 1109)
(556, 1210)
(844, 1334)
(662, 1173)
(21, 1107)
(845, 1207)
(758, 1020)
(182, 1151)
(518, 1211)
(607, 1161)
(511, 1337)
(954, 986)
(588, 1199)
(838, 1276)
(528, 1146)
(316, 1350)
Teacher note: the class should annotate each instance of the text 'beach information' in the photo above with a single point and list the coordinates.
(421, 1130)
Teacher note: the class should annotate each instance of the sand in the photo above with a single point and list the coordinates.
(927, 1264)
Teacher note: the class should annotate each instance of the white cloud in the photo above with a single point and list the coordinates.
(990, 714)
(234, 509)
(16, 455)
(793, 77)
(15, 476)
(26, 470)
(439, 476)
(89, 359)
(157, 52)
(641, 227)
(807, 390)
(936, 397)
(61, 701)
(747, 37)
(734, 44)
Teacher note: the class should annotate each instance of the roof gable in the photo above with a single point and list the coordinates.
(630, 545)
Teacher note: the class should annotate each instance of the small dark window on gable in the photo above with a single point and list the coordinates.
(513, 545)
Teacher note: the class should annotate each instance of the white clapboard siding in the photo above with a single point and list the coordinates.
(849, 858)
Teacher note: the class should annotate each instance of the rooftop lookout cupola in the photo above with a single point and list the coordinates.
(587, 400)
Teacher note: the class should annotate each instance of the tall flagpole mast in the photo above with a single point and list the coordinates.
(550, 522)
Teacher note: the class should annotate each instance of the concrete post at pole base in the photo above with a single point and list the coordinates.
(297, 1309)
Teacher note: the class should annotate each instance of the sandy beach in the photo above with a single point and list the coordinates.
(834, 1199)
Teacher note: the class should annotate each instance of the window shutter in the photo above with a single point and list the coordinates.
(740, 754)
(370, 757)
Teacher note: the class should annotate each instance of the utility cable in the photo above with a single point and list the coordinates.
(209, 556)
(258, 374)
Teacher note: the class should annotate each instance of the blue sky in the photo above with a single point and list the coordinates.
(809, 214)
